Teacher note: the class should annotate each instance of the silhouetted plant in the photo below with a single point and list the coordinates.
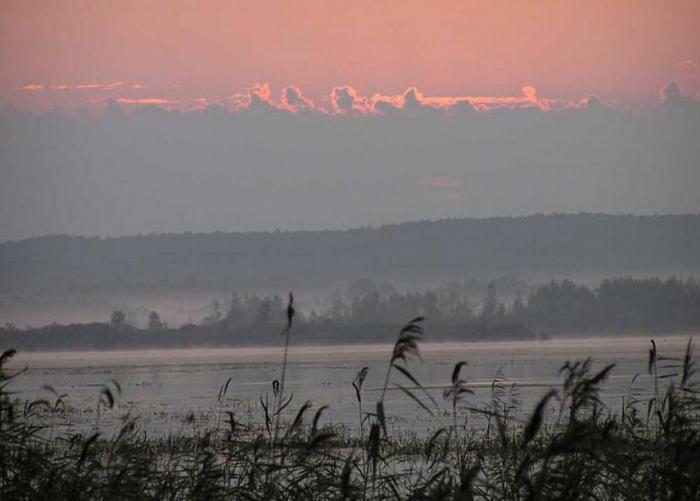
(280, 394)
(456, 392)
(357, 385)
(590, 452)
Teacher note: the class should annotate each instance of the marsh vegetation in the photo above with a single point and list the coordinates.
(572, 444)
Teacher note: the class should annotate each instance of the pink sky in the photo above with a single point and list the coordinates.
(79, 52)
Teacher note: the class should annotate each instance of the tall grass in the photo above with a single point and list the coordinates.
(279, 406)
(570, 446)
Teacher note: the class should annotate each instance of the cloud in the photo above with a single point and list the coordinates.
(194, 104)
(91, 86)
(257, 97)
(530, 94)
(670, 93)
(145, 101)
(529, 99)
(413, 100)
(292, 100)
(593, 103)
(385, 104)
(346, 100)
(259, 94)
(366, 159)
(440, 183)
(671, 96)
(379, 103)
(80, 86)
(673, 99)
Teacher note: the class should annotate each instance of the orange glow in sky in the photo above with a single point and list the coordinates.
(79, 52)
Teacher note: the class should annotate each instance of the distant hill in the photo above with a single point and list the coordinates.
(582, 245)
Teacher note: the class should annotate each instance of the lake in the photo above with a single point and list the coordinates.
(164, 387)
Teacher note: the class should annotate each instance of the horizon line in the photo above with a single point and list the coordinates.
(277, 231)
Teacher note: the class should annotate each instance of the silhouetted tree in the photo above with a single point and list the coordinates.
(154, 323)
(518, 310)
(236, 313)
(264, 314)
(118, 319)
(214, 316)
(339, 309)
(489, 308)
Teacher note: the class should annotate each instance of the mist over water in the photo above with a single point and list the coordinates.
(163, 387)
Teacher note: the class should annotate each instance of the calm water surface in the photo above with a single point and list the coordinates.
(163, 387)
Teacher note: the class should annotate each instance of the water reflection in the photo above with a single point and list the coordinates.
(164, 386)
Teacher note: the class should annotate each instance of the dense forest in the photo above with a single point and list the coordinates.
(584, 246)
(370, 313)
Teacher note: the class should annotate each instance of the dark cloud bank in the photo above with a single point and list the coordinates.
(267, 166)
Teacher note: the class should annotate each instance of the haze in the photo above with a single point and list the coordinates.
(281, 164)
(138, 117)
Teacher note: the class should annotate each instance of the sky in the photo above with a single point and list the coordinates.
(80, 52)
(124, 117)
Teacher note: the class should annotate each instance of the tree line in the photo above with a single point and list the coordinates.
(616, 304)
(367, 312)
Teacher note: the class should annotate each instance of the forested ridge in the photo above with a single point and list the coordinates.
(543, 246)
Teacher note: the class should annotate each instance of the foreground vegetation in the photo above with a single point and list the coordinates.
(571, 446)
